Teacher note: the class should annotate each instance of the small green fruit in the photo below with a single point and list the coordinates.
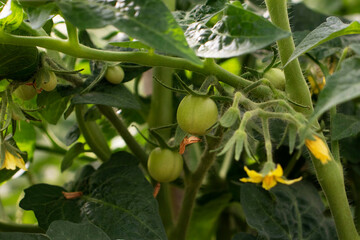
(165, 165)
(277, 77)
(196, 114)
(114, 74)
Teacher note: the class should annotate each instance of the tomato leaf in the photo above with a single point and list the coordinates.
(148, 21)
(110, 95)
(340, 87)
(117, 198)
(237, 32)
(332, 28)
(344, 126)
(54, 105)
(287, 212)
(60, 230)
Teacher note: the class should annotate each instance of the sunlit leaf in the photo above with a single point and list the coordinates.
(148, 21)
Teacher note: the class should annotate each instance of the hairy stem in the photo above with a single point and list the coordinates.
(330, 175)
(296, 87)
(142, 58)
(192, 187)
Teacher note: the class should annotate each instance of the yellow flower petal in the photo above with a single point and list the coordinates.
(254, 176)
(288, 182)
(278, 172)
(319, 149)
(269, 182)
(11, 162)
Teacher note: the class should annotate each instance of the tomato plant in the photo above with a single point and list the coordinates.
(107, 148)
(196, 114)
(165, 165)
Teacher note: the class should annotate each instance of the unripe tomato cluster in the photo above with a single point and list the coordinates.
(48, 82)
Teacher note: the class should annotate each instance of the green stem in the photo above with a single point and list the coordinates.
(120, 127)
(73, 38)
(161, 114)
(14, 227)
(191, 189)
(295, 86)
(268, 146)
(330, 175)
(142, 58)
(92, 134)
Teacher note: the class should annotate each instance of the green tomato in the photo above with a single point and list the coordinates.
(115, 74)
(165, 165)
(196, 114)
(25, 92)
(277, 77)
(50, 83)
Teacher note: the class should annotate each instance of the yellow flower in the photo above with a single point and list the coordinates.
(319, 149)
(315, 86)
(270, 179)
(12, 161)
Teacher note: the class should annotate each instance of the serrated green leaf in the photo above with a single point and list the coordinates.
(61, 230)
(54, 104)
(287, 212)
(108, 94)
(117, 198)
(340, 87)
(136, 18)
(70, 155)
(238, 32)
(332, 28)
(344, 126)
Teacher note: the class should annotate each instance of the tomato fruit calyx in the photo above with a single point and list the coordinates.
(114, 74)
(196, 114)
(164, 165)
